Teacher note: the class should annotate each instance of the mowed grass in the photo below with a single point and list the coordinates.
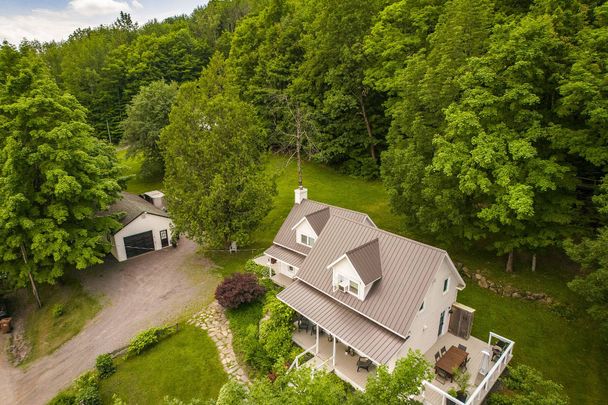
(569, 352)
(46, 332)
(183, 366)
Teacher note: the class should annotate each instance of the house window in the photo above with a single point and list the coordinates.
(446, 284)
(354, 288)
(307, 240)
(290, 269)
(421, 307)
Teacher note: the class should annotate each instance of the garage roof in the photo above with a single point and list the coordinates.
(132, 206)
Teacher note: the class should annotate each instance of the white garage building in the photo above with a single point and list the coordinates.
(145, 227)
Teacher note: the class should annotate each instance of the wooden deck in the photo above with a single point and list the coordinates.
(345, 365)
(475, 347)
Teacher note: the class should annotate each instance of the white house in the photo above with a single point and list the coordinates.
(146, 227)
(375, 296)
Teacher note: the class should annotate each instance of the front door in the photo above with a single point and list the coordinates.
(164, 238)
(441, 320)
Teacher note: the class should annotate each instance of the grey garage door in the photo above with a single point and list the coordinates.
(138, 244)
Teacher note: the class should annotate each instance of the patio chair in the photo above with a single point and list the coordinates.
(303, 323)
(443, 350)
(363, 363)
(462, 347)
(437, 357)
(441, 376)
(464, 365)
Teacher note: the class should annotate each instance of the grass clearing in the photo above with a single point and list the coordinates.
(240, 319)
(137, 184)
(46, 332)
(185, 365)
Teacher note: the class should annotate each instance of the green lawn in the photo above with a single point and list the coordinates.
(136, 184)
(184, 366)
(569, 352)
(43, 330)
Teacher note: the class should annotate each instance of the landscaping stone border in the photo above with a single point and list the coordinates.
(213, 320)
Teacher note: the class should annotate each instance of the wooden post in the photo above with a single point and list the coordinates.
(534, 262)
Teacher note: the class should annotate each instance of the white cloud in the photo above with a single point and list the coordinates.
(98, 7)
(48, 25)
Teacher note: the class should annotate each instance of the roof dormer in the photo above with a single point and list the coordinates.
(310, 226)
(357, 270)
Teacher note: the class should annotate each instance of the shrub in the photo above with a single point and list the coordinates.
(231, 393)
(147, 339)
(239, 289)
(525, 385)
(105, 366)
(276, 330)
(252, 267)
(57, 311)
(87, 389)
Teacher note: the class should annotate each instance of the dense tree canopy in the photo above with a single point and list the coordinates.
(55, 176)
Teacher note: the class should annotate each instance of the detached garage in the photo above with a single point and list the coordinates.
(145, 227)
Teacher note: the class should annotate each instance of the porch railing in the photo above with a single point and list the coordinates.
(486, 384)
(296, 361)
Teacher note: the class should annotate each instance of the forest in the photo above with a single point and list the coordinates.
(487, 121)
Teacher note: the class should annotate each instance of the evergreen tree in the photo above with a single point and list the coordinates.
(218, 191)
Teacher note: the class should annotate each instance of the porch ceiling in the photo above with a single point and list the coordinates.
(355, 330)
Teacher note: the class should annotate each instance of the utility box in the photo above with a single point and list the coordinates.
(156, 198)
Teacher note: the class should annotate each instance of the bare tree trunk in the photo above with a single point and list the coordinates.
(368, 125)
(534, 262)
(298, 117)
(509, 268)
(29, 273)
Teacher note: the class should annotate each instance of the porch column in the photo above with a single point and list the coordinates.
(333, 358)
(317, 347)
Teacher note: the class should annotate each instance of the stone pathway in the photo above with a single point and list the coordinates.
(213, 320)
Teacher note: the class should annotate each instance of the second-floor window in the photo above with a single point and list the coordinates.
(446, 284)
(354, 288)
(307, 240)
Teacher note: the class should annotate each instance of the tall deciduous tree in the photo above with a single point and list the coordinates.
(514, 190)
(147, 115)
(55, 176)
(217, 189)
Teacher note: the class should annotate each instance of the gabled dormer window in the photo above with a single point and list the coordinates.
(307, 240)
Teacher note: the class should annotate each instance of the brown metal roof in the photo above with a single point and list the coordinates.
(355, 330)
(285, 255)
(286, 236)
(366, 261)
(408, 268)
(318, 219)
(130, 206)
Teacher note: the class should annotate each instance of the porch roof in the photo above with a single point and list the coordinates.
(285, 255)
(365, 336)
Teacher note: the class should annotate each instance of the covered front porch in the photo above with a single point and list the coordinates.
(332, 355)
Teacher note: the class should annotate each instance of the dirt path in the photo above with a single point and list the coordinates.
(145, 291)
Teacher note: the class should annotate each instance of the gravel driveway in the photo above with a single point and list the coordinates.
(145, 291)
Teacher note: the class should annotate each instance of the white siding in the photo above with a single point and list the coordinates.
(345, 268)
(306, 229)
(425, 327)
(143, 223)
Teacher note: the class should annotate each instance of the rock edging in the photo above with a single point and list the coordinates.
(505, 290)
(213, 320)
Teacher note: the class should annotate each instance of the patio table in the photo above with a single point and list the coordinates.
(453, 358)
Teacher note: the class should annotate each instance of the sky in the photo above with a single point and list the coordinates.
(47, 20)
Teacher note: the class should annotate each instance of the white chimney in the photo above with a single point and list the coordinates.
(301, 194)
